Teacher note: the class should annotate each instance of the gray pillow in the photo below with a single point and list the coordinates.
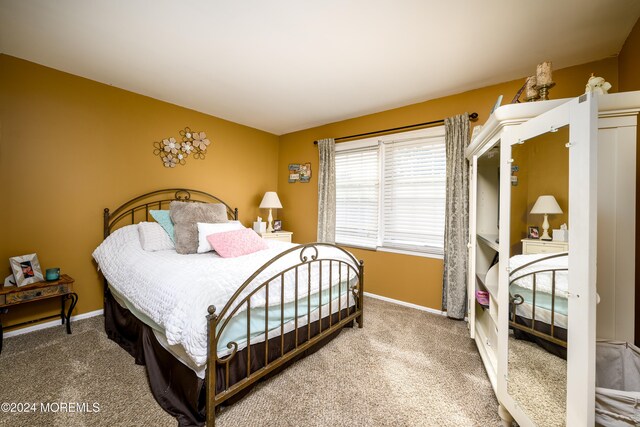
(187, 215)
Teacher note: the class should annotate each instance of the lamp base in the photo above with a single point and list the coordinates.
(545, 229)
(270, 222)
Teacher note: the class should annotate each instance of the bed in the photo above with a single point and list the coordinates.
(538, 306)
(208, 328)
(538, 290)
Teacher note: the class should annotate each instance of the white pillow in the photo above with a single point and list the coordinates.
(154, 238)
(206, 229)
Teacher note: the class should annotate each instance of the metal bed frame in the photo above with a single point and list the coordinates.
(217, 392)
(517, 300)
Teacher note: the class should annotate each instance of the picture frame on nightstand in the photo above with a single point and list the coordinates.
(533, 232)
(26, 269)
(277, 225)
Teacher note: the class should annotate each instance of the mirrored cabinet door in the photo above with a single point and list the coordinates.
(538, 278)
(547, 287)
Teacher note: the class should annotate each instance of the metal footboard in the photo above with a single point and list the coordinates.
(350, 278)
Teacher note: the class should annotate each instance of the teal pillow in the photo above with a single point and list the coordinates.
(164, 219)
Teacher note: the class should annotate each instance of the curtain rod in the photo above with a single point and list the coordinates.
(472, 117)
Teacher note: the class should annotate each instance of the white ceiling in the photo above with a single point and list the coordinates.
(286, 65)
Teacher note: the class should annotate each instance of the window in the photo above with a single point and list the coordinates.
(390, 192)
(357, 193)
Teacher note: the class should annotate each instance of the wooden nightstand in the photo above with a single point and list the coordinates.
(536, 246)
(283, 236)
(63, 288)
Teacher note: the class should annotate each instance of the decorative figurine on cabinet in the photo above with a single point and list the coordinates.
(597, 85)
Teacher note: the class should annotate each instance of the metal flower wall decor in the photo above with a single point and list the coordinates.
(175, 153)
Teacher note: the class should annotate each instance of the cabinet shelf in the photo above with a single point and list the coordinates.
(489, 240)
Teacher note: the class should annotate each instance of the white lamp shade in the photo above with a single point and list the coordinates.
(546, 205)
(270, 200)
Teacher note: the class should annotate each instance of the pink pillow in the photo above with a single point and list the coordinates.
(231, 244)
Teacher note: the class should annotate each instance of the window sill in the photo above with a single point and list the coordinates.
(413, 253)
(349, 245)
(395, 251)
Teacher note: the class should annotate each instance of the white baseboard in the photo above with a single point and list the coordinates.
(51, 324)
(407, 304)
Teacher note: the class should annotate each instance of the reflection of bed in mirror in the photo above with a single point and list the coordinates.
(538, 287)
(538, 318)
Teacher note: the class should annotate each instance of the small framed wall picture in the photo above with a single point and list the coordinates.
(533, 232)
(305, 172)
(294, 172)
(26, 269)
(299, 172)
(277, 225)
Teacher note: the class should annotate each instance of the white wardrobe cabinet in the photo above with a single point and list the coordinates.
(593, 175)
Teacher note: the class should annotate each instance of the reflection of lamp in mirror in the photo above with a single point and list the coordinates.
(546, 205)
(270, 201)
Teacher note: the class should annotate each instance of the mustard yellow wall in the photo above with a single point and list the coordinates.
(629, 61)
(519, 198)
(543, 169)
(407, 278)
(70, 147)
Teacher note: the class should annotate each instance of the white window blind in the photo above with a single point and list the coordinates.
(414, 194)
(390, 192)
(357, 193)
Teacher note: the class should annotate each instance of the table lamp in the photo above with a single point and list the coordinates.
(270, 201)
(546, 205)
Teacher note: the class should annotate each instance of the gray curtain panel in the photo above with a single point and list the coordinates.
(456, 226)
(327, 191)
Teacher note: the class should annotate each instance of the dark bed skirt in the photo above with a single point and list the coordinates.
(176, 388)
(552, 348)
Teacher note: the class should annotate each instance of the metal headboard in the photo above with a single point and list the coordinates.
(133, 209)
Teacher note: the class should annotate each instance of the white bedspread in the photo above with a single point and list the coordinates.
(175, 290)
(543, 280)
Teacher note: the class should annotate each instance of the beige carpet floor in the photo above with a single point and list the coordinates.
(405, 368)
(538, 383)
